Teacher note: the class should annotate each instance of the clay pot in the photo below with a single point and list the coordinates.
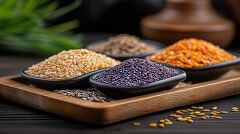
(188, 18)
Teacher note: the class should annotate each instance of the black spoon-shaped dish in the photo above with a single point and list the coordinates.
(199, 74)
(123, 92)
(49, 84)
(157, 45)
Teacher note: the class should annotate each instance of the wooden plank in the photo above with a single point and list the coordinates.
(110, 112)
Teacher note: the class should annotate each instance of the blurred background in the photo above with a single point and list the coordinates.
(45, 27)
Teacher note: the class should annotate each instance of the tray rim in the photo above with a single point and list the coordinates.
(106, 110)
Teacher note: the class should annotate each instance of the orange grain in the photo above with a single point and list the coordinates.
(190, 53)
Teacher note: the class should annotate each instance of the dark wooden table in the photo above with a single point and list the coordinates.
(15, 118)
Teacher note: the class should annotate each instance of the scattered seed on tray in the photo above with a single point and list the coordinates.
(122, 45)
(188, 53)
(205, 110)
(161, 125)
(152, 124)
(214, 108)
(184, 116)
(136, 124)
(234, 109)
(223, 112)
(89, 94)
(70, 64)
(135, 72)
(183, 84)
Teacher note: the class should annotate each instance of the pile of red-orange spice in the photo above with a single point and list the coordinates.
(188, 53)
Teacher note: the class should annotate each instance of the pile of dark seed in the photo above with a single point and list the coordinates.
(135, 72)
(123, 45)
(89, 94)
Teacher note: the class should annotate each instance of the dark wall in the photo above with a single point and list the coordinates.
(116, 15)
(120, 16)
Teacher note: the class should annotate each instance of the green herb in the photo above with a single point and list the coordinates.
(24, 28)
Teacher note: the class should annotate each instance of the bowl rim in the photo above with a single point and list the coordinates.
(55, 81)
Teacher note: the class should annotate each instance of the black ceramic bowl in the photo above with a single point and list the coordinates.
(79, 81)
(199, 74)
(159, 47)
(123, 92)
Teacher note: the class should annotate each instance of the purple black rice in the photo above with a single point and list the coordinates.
(135, 72)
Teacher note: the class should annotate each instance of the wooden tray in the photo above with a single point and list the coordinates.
(14, 89)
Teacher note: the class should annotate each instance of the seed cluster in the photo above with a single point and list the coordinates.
(89, 94)
(234, 109)
(135, 72)
(190, 114)
(94, 95)
(192, 53)
(70, 64)
(123, 45)
(183, 84)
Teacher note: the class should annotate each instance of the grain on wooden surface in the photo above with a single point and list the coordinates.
(14, 117)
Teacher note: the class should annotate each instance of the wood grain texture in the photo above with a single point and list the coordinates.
(110, 112)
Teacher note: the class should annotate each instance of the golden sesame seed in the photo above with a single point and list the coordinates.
(213, 113)
(136, 124)
(179, 112)
(196, 112)
(214, 108)
(200, 114)
(203, 118)
(153, 124)
(179, 119)
(179, 116)
(167, 120)
(161, 125)
(193, 107)
(193, 116)
(234, 107)
(218, 117)
(190, 121)
(216, 112)
(162, 121)
(191, 113)
(199, 108)
(182, 119)
(184, 111)
(207, 116)
(168, 123)
(223, 112)
(205, 110)
(234, 110)
(174, 115)
(188, 117)
(189, 110)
